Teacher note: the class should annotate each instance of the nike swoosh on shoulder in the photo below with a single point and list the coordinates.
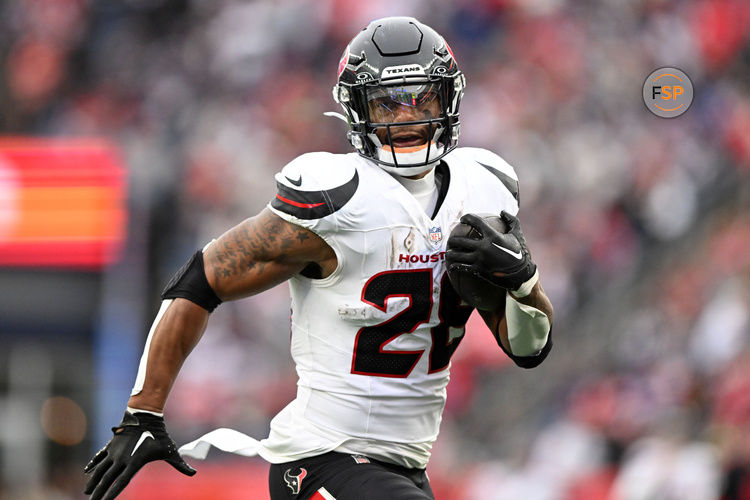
(297, 182)
(517, 255)
(509, 182)
(144, 436)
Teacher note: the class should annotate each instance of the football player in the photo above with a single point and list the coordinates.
(363, 240)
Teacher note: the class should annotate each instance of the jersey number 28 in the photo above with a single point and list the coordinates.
(370, 357)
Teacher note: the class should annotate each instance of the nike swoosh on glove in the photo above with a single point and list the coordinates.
(140, 438)
(501, 258)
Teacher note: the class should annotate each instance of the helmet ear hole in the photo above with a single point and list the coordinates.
(413, 54)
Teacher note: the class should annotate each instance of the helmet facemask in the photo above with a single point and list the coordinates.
(405, 123)
(383, 119)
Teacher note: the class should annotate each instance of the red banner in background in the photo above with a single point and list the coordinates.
(62, 203)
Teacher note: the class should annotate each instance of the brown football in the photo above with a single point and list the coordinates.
(473, 289)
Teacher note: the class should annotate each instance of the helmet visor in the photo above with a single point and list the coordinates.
(399, 103)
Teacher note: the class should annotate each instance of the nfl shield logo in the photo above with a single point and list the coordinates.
(436, 234)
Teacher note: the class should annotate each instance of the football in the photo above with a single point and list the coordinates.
(473, 289)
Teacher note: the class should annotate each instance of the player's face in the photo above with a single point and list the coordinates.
(398, 104)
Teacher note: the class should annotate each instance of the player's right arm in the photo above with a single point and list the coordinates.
(258, 254)
(255, 255)
(261, 253)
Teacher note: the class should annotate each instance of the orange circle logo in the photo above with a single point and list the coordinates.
(668, 92)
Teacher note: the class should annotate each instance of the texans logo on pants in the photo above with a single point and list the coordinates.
(294, 481)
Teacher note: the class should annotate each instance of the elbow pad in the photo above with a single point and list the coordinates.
(534, 360)
(529, 361)
(529, 334)
(190, 283)
(528, 328)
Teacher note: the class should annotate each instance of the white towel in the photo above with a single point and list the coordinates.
(228, 440)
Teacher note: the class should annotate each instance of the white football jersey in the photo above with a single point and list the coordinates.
(372, 342)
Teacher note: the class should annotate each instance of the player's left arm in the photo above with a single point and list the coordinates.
(522, 324)
(526, 337)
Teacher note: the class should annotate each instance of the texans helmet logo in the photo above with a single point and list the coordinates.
(294, 481)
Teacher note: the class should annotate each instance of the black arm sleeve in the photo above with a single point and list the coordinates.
(190, 283)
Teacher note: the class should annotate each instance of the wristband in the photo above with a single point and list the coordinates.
(138, 410)
(525, 289)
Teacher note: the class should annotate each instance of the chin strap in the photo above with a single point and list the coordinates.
(334, 114)
(407, 160)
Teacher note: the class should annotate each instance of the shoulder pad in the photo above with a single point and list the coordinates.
(315, 185)
(495, 165)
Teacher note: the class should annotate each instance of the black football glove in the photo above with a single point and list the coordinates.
(140, 438)
(500, 258)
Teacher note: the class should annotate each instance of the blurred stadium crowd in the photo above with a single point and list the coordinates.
(641, 225)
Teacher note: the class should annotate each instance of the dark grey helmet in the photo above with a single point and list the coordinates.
(397, 57)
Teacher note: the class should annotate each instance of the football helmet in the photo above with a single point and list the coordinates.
(400, 88)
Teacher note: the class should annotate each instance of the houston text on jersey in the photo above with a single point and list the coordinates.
(423, 258)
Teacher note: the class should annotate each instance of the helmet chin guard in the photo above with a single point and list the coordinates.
(383, 68)
(408, 163)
